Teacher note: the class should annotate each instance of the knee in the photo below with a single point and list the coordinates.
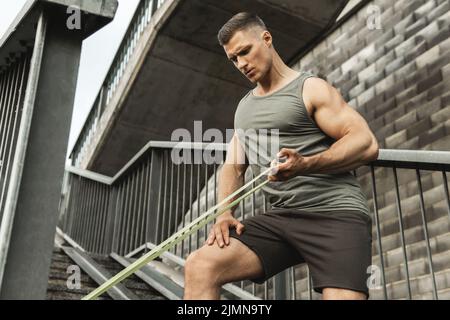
(200, 267)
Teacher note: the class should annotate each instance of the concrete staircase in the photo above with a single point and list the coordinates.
(59, 290)
(57, 283)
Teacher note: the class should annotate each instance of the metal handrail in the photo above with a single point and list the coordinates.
(98, 177)
(408, 159)
(143, 193)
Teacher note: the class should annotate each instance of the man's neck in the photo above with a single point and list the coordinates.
(278, 76)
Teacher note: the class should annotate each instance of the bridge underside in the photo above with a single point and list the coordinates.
(186, 76)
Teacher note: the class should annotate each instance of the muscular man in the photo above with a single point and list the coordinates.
(318, 215)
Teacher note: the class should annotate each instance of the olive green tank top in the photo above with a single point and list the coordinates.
(265, 124)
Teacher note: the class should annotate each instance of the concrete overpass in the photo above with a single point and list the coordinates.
(179, 73)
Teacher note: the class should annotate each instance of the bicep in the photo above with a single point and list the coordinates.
(332, 114)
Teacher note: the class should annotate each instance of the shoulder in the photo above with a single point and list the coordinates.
(317, 92)
(245, 97)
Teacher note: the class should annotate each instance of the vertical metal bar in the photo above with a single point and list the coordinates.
(215, 166)
(111, 218)
(292, 285)
(242, 207)
(158, 235)
(138, 210)
(8, 110)
(101, 222)
(205, 231)
(191, 210)
(170, 197)
(253, 214)
(145, 204)
(183, 211)
(5, 136)
(130, 213)
(198, 203)
(266, 288)
(90, 215)
(99, 211)
(151, 161)
(281, 289)
(164, 198)
(93, 216)
(310, 284)
(402, 233)
(444, 178)
(427, 239)
(377, 222)
(142, 197)
(177, 205)
(94, 224)
(118, 218)
(98, 217)
(124, 215)
(107, 211)
(76, 194)
(78, 209)
(3, 87)
(85, 212)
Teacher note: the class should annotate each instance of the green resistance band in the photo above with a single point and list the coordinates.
(177, 237)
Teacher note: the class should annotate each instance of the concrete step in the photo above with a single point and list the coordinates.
(57, 284)
(133, 283)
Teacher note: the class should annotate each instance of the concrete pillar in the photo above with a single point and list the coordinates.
(28, 255)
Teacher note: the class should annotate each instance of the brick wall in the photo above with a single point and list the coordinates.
(397, 77)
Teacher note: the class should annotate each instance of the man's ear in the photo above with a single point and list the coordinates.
(267, 38)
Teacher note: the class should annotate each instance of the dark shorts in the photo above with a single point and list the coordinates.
(336, 246)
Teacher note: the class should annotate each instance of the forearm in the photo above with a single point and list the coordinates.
(229, 181)
(346, 154)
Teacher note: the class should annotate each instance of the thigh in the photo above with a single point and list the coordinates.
(337, 249)
(263, 234)
(233, 262)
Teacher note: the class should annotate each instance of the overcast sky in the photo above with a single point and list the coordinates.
(97, 54)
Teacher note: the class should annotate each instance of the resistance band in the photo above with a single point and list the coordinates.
(177, 237)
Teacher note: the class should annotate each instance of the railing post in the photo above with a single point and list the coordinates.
(154, 197)
(281, 285)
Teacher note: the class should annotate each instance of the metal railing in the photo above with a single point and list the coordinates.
(141, 19)
(13, 81)
(152, 197)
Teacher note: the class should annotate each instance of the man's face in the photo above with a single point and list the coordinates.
(249, 51)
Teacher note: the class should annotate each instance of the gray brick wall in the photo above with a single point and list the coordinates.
(408, 56)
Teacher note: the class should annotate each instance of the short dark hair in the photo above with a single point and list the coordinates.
(239, 21)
